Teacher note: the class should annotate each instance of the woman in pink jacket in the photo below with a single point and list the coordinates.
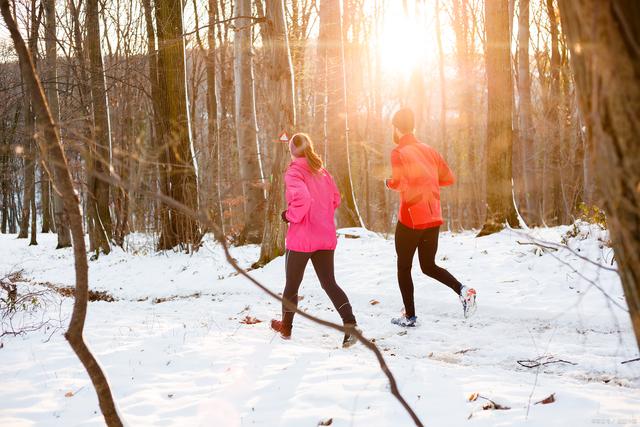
(312, 198)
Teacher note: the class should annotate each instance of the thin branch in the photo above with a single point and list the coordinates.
(536, 363)
(637, 359)
(204, 219)
(565, 247)
(255, 19)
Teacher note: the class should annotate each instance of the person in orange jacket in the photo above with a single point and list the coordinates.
(418, 173)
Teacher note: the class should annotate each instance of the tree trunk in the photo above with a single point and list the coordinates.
(7, 174)
(604, 39)
(525, 127)
(100, 150)
(331, 54)
(45, 200)
(467, 184)
(213, 128)
(282, 111)
(552, 185)
(52, 150)
(30, 131)
(175, 135)
(167, 232)
(500, 207)
(29, 168)
(246, 130)
(447, 214)
(59, 217)
(33, 241)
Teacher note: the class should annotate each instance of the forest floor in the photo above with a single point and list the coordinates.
(176, 353)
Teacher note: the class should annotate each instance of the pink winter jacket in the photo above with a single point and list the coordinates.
(312, 198)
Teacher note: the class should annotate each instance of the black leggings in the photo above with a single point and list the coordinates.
(426, 242)
(295, 263)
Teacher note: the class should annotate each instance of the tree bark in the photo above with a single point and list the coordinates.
(213, 128)
(100, 150)
(282, 111)
(330, 45)
(447, 214)
(30, 131)
(182, 182)
(45, 201)
(500, 207)
(59, 218)
(52, 150)
(246, 128)
(552, 183)
(466, 146)
(604, 37)
(29, 168)
(167, 232)
(525, 127)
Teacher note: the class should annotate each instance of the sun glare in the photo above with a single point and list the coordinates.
(407, 41)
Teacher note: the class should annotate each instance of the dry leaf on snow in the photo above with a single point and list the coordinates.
(250, 320)
(549, 399)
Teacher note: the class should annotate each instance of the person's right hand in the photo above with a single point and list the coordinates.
(283, 215)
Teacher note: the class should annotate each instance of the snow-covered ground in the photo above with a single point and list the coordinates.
(189, 361)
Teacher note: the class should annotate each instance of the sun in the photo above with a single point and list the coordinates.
(407, 40)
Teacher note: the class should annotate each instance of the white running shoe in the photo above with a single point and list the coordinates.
(468, 300)
(405, 322)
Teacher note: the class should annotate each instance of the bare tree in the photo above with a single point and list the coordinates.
(553, 204)
(283, 112)
(174, 126)
(28, 219)
(51, 87)
(213, 126)
(246, 127)
(49, 143)
(500, 208)
(330, 45)
(100, 227)
(525, 125)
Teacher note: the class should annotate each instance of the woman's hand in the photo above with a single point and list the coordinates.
(283, 215)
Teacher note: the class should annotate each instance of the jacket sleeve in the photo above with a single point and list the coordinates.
(397, 182)
(297, 195)
(445, 175)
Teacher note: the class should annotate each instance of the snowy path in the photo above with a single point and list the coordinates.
(189, 362)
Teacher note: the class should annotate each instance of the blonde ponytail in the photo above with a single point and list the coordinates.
(314, 160)
(303, 146)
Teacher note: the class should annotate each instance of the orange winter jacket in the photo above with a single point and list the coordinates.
(418, 173)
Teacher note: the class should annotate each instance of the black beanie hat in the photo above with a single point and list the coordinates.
(403, 120)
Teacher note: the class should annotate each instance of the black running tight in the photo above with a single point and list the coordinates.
(426, 242)
(295, 263)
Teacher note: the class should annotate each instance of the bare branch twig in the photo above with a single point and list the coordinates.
(204, 219)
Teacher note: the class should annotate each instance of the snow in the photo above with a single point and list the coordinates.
(188, 361)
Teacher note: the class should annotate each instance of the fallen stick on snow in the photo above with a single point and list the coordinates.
(528, 363)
